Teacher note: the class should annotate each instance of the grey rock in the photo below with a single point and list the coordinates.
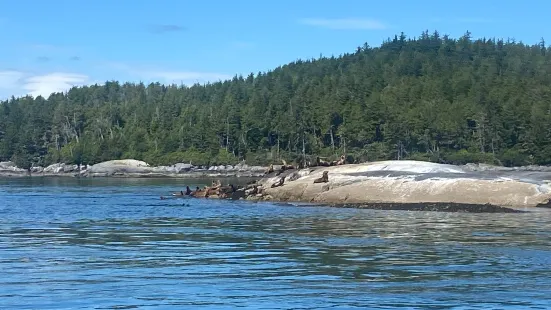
(37, 169)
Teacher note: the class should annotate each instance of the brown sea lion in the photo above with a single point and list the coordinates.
(324, 178)
(226, 191)
(287, 167)
(321, 162)
(216, 184)
(341, 161)
(251, 191)
(211, 192)
(270, 169)
(279, 182)
(199, 193)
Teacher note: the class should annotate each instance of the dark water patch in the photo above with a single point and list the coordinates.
(430, 206)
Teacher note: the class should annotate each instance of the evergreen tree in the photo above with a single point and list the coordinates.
(431, 98)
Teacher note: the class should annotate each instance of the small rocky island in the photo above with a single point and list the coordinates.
(375, 183)
(412, 182)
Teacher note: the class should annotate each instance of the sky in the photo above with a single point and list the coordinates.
(51, 46)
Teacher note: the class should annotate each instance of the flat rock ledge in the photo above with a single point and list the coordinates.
(413, 185)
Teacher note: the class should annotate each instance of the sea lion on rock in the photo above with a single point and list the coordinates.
(251, 191)
(279, 182)
(199, 193)
(287, 167)
(226, 191)
(270, 169)
(321, 162)
(324, 178)
(284, 167)
(216, 184)
(298, 174)
(341, 161)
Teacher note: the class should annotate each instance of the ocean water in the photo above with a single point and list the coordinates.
(114, 244)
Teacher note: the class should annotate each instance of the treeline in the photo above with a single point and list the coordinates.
(431, 98)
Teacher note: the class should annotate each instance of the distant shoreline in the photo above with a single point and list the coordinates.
(130, 168)
(132, 176)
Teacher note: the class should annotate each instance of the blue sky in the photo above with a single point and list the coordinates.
(51, 45)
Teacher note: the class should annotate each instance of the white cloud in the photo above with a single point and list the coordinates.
(344, 23)
(19, 83)
(45, 85)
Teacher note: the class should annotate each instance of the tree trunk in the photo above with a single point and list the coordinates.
(227, 132)
(182, 137)
(303, 151)
(332, 140)
(277, 145)
(344, 145)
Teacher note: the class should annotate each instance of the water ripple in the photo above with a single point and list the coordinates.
(76, 246)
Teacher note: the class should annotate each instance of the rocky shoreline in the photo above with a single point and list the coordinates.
(395, 184)
(130, 168)
(431, 207)
(391, 185)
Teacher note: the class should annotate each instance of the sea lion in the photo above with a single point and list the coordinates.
(251, 191)
(324, 178)
(226, 191)
(211, 192)
(270, 169)
(200, 193)
(287, 167)
(216, 184)
(279, 182)
(341, 161)
(321, 162)
(181, 193)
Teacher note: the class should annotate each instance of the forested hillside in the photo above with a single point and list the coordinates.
(432, 97)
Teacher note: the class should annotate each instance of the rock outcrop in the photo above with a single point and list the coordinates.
(413, 182)
(133, 168)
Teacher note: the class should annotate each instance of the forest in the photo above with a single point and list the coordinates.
(430, 97)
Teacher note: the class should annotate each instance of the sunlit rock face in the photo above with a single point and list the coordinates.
(414, 182)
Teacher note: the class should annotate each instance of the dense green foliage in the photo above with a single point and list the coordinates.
(431, 98)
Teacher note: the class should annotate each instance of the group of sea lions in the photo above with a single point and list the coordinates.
(216, 190)
(254, 189)
(318, 163)
(293, 176)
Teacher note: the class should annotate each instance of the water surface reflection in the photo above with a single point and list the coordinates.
(103, 247)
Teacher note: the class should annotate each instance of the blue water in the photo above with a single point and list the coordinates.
(113, 244)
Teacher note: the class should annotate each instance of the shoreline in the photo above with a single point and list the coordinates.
(133, 176)
(398, 185)
(130, 168)
(432, 207)
(413, 207)
(405, 183)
